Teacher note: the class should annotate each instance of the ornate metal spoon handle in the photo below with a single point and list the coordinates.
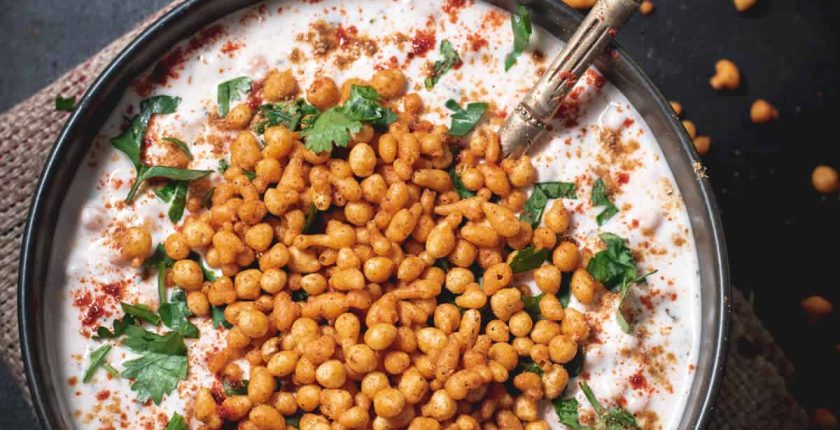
(527, 122)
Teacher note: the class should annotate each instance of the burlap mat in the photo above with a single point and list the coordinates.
(753, 393)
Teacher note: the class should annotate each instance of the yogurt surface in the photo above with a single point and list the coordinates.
(597, 134)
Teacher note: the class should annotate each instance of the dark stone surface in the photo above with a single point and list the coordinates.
(780, 232)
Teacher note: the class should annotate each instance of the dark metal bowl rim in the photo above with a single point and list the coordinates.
(33, 264)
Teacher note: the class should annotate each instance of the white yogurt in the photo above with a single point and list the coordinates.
(648, 372)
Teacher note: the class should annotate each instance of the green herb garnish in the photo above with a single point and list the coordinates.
(142, 312)
(230, 91)
(131, 140)
(181, 145)
(363, 105)
(97, 360)
(615, 268)
(177, 422)
(532, 306)
(520, 22)
(450, 60)
(529, 258)
(535, 206)
(567, 412)
(334, 126)
(119, 327)
(175, 314)
(290, 115)
(66, 104)
(600, 198)
(464, 120)
(223, 166)
(218, 317)
(607, 419)
(232, 388)
(161, 365)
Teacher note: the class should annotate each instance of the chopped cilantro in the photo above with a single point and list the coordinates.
(161, 365)
(175, 314)
(529, 258)
(131, 141)
(218, 316)
(290, 115)
(535, 206)
(334, 126)
(575, 366)
(363, 105)
(450, 60)
(309, 221)
(181, 145)
(207, 199)
(250, 174)
(609, 419)
(177, 422)
(141, 311)
(615, 268)
(97, 360)
(230, 91)
(66, 104)
(520, 22)
(567, 412)
(532, 306)
(166, 192)
(600, 198)
(119, 327)
(464, 120)
(223, 166)
(179, 201)
(155, 374)
(235, 388)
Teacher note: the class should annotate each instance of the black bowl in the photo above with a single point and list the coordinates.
(186, 19)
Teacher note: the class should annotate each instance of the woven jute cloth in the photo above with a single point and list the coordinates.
(752, 395)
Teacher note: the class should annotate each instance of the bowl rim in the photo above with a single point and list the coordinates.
(29, 307)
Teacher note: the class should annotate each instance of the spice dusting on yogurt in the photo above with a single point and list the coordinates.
(164, 291)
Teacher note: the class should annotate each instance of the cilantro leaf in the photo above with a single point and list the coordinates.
(614, 265)
(250, 174)
(177, 422)
(142, 340)
(223, 166)
(529, 258)
(235, 388)
(130, 141)
(363, 105)
(459, 186)
(230, 91)
(289, 115)
(209, 274)
(66, 104)
(450, 60)
(149, 172)
(464, 120)
(293, 421)
(600, 198)
(141, 311)
(609, 419)
(528, 365)
(218, 316)
(331, 127)
(520, 22)
(532, 306)
(181, 145)
(174, 314)
(207, 199)
(119, 327)
(179, 201)
(97, 360)
(575, 366)
(535, 206)
(155, 374)
(567, 412)
(166, 192)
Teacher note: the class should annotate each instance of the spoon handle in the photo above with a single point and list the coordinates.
(527, 121)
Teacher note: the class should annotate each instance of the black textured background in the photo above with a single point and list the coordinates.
(781, 234)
